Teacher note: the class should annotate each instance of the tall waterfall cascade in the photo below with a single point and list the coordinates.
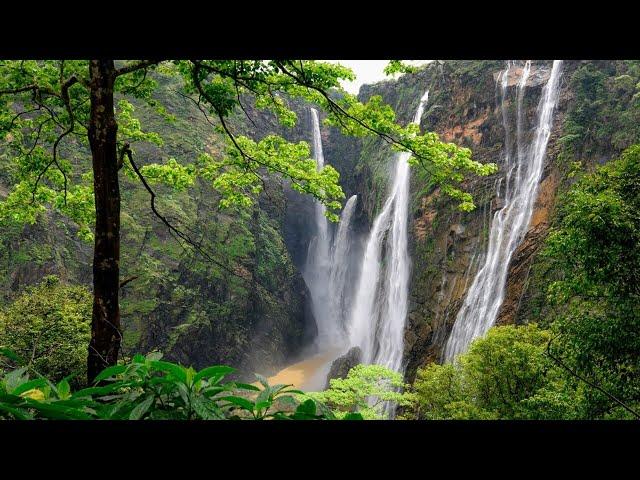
(518, 189)
(326, 268)
(380, 307)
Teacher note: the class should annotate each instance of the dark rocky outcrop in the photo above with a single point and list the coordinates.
(341, 365)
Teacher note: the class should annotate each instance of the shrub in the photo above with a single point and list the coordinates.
(49, 326)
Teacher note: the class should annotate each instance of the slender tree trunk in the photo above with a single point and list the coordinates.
(105, 323)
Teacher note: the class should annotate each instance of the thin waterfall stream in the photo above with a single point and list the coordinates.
(381, 300)
(509, 225)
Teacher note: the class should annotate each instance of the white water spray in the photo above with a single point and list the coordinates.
(510, 223)
(317, 269)
(327, 264)
(338, 275)
(380, 309)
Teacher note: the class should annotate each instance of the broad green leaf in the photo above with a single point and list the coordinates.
(138, 412)
(184, 393)
(15, 378)
(308, 407)
(264, 395)
(204, 409)
(110, 372)
(64, 389)
(180, 373)
(241, 402)
(36, 383)
(352, 416)
(213, 371)
(260, 405)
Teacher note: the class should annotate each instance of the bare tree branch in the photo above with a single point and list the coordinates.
(127, 151)
(126, 281)
(132, 67)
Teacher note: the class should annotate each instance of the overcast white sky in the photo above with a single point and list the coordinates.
(368, 71)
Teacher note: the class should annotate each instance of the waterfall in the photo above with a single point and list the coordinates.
(338, 277)
(317, 268)
(380, 308)
(327, 265)
(509, 225)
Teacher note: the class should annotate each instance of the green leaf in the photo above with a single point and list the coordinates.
(183, 391)
(56, 411)
(64, 389)
(180, 373)
(11, 355)
(260, 405)
(213, 371)
(262, 380)
(206, 410)
(15, 378)
(137, 358)
(211, 391)
(299, 392)
(264, 395)
(36, 383)
(308, 407)
(138, 412)
(16, 412)
(246, 386)
(352, 416)
(278, 389)
(239, 401)
(110, 372)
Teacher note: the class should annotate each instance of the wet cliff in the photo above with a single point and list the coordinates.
(593, 122)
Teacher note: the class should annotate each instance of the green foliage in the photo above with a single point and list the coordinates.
(398, 66)
(44, 112)
(49, 326)
(505, 375)
(365, 390)
(599, 233)
(148, 388)
(596, 250)
(605, 112)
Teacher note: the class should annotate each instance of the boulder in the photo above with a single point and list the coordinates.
(341, 365)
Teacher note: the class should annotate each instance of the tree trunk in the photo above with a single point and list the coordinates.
(105, 323)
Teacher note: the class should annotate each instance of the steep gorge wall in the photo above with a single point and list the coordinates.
(448, 245)
(181, 303)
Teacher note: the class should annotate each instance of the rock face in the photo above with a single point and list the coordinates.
(341, 365)
(446, 245)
